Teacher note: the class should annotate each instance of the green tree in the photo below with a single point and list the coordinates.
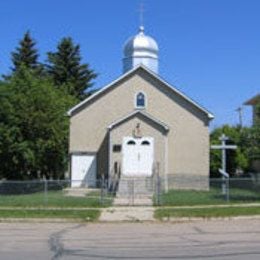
(65, 68)
(257, 114)
(33, 127)
(25, 54)
(252, 138)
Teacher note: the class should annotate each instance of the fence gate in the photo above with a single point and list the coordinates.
(137, 191)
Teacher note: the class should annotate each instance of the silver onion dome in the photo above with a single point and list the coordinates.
(141, 49)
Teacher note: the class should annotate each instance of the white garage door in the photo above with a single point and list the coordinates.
(83, 170)
(137, 156)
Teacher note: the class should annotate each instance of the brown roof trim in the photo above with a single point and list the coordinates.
(138, 112)
(253, 101)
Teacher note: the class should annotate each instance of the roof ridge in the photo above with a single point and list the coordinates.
(141, 66)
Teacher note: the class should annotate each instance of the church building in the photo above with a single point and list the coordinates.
(139, 123)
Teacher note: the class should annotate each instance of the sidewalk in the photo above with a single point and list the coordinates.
(132, 214)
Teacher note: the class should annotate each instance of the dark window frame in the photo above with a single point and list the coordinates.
(117, 148)
(140, 100)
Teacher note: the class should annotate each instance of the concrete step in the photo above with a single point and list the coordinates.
(135, 185)
(141, 201)
(78, 192)
(135, 195)
(135, 191)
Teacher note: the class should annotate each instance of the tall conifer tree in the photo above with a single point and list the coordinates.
(65, 67)
(25, 54)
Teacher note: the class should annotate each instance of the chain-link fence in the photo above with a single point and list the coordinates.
(213, 191)
(53, 193)
(173, 191)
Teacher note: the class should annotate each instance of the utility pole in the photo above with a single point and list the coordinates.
(239, 110)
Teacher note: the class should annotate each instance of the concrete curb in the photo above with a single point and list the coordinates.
(243, 205)
(164, 220)
(43, 220)
(48, 208)
(194, 219)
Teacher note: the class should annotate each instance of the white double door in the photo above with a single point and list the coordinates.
(138, 156)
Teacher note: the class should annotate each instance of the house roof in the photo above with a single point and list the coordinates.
(139, 67)
(135, 113)
(253, 101)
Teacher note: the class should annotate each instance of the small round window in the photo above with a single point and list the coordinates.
(145, 143)
(131, 142)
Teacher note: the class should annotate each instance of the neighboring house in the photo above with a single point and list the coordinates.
(137, 123)
(254, 101)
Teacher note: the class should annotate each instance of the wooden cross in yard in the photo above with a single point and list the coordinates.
(223, 147)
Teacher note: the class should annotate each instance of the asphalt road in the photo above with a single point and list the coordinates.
(229, 239)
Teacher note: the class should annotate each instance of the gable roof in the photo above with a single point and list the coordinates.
(132, 71)
(139, 112)
(253, 101)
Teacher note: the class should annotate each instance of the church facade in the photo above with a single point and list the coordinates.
(138, 123)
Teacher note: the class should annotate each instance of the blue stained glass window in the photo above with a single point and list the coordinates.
(140, 100)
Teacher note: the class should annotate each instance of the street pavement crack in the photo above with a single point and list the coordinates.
(55, 242)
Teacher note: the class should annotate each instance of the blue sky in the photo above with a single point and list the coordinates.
(209, 49)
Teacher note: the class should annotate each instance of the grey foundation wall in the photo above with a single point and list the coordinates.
(188, 182)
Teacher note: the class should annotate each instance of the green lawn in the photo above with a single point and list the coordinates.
(53, 199)
(212, 197)
(82, 215)
(206, 212)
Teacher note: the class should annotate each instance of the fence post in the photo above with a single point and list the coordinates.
(133, 191)
(102, 190)
(227, 189)
(45, 192)
(158, 185)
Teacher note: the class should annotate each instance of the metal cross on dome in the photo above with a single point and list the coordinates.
(141, 14)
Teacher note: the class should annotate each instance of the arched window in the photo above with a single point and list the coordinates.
(140, 100)
(131, 142)
(145, 143)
